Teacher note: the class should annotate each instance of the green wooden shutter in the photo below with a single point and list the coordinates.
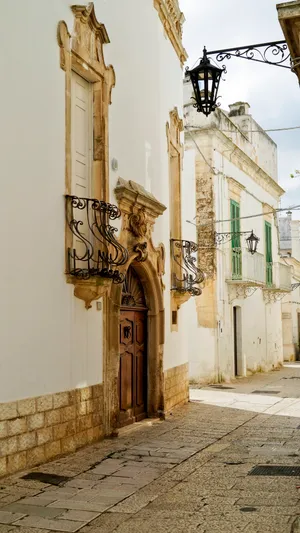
(269, 260)
(235, 240)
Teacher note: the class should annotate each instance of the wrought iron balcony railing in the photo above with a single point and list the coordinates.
(95, 251)
(186, 276)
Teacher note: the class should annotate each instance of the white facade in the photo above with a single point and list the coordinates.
(227, 162)
(50, 342)
(290, 252)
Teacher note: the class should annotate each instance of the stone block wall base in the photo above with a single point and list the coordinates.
(36, 430)
(289, 352)
(176, 386)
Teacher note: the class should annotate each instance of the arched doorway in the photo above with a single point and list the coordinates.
(132, 382)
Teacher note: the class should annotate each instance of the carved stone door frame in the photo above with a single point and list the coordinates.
(133, 367)
(155, 341)
(139, 211)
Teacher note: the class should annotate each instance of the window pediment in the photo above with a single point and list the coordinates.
(172, 19)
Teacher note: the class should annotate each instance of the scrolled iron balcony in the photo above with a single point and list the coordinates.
(186, 276)
(95, 251)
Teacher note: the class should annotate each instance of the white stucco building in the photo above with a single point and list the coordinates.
(290, 252)
(82, 351)
(230, 171)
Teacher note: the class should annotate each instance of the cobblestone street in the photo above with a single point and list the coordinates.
(189, 473)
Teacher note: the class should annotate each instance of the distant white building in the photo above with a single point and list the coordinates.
(230, 174)
(290, 251)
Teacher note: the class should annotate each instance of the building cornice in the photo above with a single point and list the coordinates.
(245, 163)
(289, 18)
(253, 170)
(234, 184)
(295, 264)
(172, 20)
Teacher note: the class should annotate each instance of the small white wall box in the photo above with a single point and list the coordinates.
(114, 164)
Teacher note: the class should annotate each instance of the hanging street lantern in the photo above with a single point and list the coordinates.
(252, 242)
(205, 79)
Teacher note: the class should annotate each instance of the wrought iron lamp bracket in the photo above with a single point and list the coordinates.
(222, 238)
(272, 53)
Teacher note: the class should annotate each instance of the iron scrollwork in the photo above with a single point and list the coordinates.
(221, 238)
(295, 286)
(98, 253)
(273, 295)
(186, 276)
(272, 53)
(245, 291)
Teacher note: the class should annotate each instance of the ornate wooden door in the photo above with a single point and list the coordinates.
(133, 358)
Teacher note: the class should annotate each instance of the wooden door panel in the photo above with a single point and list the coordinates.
(140, 378)
(140, 365)
(126, 382)
(140, 328)
(126, 368)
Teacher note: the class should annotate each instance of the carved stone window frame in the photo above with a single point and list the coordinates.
(81, 51)
(235, 189)
(175, 150)
(172, 20)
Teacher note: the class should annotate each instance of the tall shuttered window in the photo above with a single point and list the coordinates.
(82, 139)
(269, 260)
(81, 136)
(236, 250)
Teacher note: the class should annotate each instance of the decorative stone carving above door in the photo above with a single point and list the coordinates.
(139, 211)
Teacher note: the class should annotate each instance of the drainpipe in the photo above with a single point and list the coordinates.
(217, 366)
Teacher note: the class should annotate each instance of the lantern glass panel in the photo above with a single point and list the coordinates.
(252, 243)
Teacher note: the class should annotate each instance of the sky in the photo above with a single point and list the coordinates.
(272, 92)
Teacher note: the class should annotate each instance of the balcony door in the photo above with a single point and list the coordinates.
(236, 250)
(81, 161)
(269, 259)
(82, 136)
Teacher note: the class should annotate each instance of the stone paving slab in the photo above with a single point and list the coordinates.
(54, 525)
(98, 507)
(7, 517)
(78, 516)
(35, 510)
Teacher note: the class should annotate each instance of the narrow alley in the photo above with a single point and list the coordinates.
(197, 471)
